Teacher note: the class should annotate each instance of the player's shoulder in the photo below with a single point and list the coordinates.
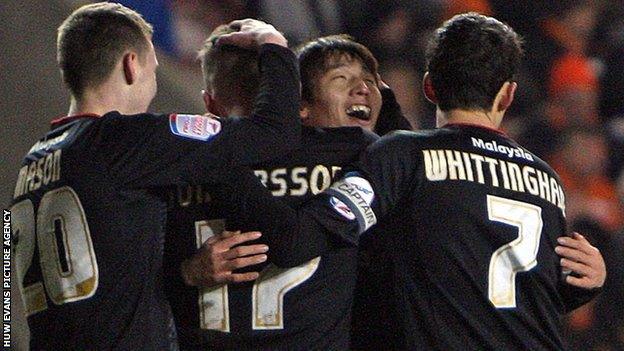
(63, 135)
(116, 122)
(405, 139)
(115, 117)
(351, 135)
(543, 165)
(186, 125)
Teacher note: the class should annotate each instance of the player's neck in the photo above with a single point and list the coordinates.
(99, 103)
(458, 116)
(237, 111)
(79, 107)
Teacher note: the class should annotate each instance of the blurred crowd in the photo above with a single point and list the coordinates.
(569, 107)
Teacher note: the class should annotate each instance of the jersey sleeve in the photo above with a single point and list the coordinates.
(575, 297)
(156, 150)
(294, 235)
(391, 117)
(274, 127)
(337, 216)
(390, 167)
(370, 189)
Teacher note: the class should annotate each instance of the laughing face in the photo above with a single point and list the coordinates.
(346, 95)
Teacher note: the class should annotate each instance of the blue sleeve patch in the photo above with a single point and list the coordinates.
(194, 126)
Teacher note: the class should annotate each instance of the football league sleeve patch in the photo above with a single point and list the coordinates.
(194, 126)
(351, 197)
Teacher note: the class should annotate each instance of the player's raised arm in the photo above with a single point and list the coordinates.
(274, 125)
(391, 117)
(337, 216)
(186, 148)
(388, 171)
(293, 236)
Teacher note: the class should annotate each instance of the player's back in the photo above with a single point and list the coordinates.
(471, 242)
(303, 307)
(88, 248)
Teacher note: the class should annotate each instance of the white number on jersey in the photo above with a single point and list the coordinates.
(519, 255)
(66, 256)
(268, 290)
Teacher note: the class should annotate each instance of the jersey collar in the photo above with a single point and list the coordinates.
(66, 119)
(471, 125)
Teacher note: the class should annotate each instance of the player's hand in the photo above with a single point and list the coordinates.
(251, 33)
(215, 260)
(381, 84)
(580, 257)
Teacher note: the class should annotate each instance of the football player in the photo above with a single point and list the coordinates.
(469, 218)
(302, 297)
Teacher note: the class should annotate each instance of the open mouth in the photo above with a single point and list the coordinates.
(362, 112)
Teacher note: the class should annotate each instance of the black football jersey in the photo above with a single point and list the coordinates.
(88, 211)
(301, 302)
(463, 258)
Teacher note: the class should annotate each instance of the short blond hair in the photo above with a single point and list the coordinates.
(230, 69)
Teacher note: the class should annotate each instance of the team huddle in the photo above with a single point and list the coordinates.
(300, 212)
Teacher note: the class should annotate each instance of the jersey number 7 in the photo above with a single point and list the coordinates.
(519, 255)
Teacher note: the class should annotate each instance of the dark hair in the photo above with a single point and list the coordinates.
(230, 68)
(316, 56)
(93, 38)
(469, 58)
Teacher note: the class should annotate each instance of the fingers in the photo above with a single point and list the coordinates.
(221, 243)
(246, 250)
(216, 270)
(241, 277)
(573, 254)
(570, 242)
(576, 267)
(380, 83)
(585, 260)
(577, 241)
(243, 262)
(240, 238)
(225, 276)
(224, 235)
(241, 39)
(251, 33)
(219, 256)
(581, 282)
(229, 234)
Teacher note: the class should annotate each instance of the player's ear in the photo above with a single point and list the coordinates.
(505, 96)
(211, 104)
(130, 63)
(428, 89)
(304, 110)
(208, 100)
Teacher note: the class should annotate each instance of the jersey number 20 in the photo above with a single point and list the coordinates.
(68, 265)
